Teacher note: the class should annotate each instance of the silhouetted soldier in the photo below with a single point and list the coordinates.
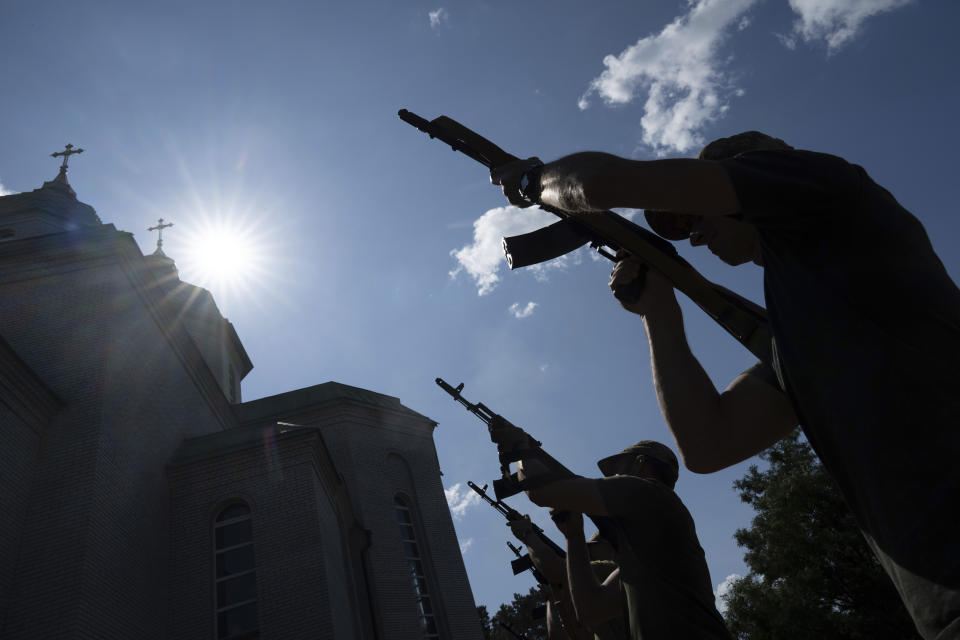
(661, 584)
(866, 334)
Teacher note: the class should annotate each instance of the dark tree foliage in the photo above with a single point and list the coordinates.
(812, 575)
(484, 620)
(518, 615)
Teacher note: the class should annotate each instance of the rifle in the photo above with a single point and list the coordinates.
(522, 562)
(508, 484)
(743, 319)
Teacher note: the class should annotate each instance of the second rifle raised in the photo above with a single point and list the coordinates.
(513, 445)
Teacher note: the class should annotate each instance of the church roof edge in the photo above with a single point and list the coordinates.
(52, 198)
(230, 441)
(308, 398)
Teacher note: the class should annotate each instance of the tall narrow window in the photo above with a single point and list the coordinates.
(428, 622)
(235, 575)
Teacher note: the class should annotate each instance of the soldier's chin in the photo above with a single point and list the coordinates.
(731, 259)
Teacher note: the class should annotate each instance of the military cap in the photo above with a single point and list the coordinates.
(648, 448)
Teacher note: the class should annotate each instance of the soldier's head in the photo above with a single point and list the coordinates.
(645, 459)
(723, 148)
(731, 240)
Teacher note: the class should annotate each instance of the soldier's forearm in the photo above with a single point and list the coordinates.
(583, 586)
(594, 181)
(687, 397)
(713, 430)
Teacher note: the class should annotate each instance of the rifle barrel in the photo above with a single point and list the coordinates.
(413, 119)
(479, 409)
(508, 512)
(459, 138)
(482, 492)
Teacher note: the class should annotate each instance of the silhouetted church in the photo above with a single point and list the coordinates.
(141, 499)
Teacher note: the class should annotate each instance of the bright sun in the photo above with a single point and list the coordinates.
(225, 255)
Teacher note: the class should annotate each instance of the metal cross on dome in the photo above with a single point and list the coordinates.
(66, 153)
(159, 228)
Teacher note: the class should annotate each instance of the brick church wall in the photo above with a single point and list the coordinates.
(112, 529)
(381, 456)
(94, 557)
(300, 567)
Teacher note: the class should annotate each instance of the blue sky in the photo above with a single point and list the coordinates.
(369, 254)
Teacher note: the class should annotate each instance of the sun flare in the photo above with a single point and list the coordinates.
(224, 254)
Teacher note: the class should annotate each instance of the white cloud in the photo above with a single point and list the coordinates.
(460, 498)
(681, 71)
(722, 589)
(4, 191)
(543, 368)
(465, 545)
(482, 259)
(789, 41)
(438, 17)
(522, 312)
(834, 21)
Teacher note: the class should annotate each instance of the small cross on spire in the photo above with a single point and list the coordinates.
(66, 153)
(161, 225)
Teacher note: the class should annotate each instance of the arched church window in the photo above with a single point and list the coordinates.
(235, 574)
(418, 577)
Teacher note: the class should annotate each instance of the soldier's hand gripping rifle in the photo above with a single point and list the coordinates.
(514, 445)
(743, 319)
